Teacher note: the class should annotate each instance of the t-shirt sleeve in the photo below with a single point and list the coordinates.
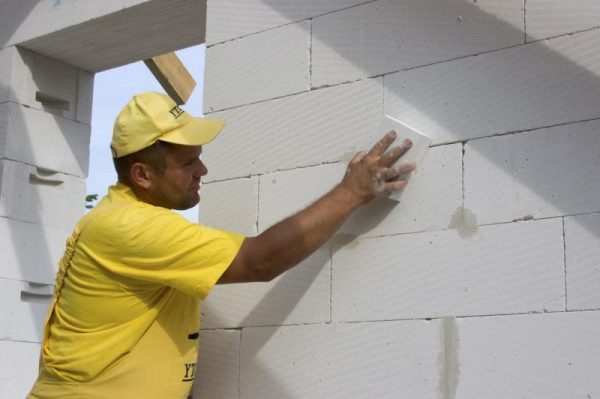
(151, 244)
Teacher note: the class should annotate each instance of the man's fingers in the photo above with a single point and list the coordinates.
(395, 173)
(358, 157)
(395, 185)
(390, 157)
(404, 167)
(383, 144)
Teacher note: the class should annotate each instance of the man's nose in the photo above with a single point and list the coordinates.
(202, 169)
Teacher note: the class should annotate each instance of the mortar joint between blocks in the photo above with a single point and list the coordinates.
(525, 21)
(565, 260)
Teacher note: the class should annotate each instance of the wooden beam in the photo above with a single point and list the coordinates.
(172, 76)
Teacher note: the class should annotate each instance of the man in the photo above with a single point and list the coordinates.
(125, 316)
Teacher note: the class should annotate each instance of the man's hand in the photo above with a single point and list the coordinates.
(373, 174)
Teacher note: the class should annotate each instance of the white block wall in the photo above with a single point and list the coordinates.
(483, 281)
(45, 114)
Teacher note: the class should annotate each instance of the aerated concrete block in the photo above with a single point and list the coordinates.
(30, 252)
(38, 196)
(23, 307)
(285, 193)
(231, 205)
(543, 173)
(217, 371)
(428, 203)
(29, 19)
(301, 295)
(547, 18)
(553, 356)
(40, 138)
(434, 194)
(43, 83)
(358, 360)
(387, 36)
(18, 368)
(526, 87)
(326, 125)
(499, 269)
(258, 67)
(582, 243)
(236, 18)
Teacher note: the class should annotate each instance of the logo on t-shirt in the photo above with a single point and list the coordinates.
(190, 370)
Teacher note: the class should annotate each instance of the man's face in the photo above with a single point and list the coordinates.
(178, 187)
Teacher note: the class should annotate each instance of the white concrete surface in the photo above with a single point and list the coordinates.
(40, 82)
(284, 193)
(553, 356)
(96, 36)
(301, 295)
(387, 35)
(502, 269)
(258, 67)
(582, 238)
(547, 18)
(526, 87)
(363, 360)
(543, 173)
(23, 307)
(30, 252)
(18, 368)
(217, 370)
(307, 129)
(238, 18)
(231, 205)
(428, 203)
(37, 196)
(43, 139)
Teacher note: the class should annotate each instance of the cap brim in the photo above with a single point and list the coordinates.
(198, 131)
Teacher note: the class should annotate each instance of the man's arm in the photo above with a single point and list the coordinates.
(288, 242)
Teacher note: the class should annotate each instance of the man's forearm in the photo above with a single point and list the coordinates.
(293, 239)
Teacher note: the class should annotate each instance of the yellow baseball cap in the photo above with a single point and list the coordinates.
(152, 116)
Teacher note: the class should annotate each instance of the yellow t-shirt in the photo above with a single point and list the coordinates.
(125, 317)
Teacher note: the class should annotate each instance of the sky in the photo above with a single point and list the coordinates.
(112, 90)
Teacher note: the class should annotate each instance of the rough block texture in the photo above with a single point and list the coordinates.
(34, 195)
(40, 82)
(23, 307)
(543, 173)
(18, 368)
(582, 243)
(231, 205)
(285, 193)
(101, 35)
(298, 296)
(553, 356)
(428, 203)
(509, 268)
(30, 252)
(364, 360)
(547, 18)
(526, 87)
(387, 35)
(27, 134)
(259, 67)
(307, 129)
(217, 370)
(236, 18)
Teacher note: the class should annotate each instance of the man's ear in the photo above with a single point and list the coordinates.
(141, 175)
